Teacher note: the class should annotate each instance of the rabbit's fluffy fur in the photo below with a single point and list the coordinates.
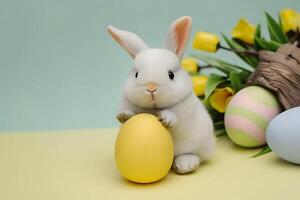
(158, 85)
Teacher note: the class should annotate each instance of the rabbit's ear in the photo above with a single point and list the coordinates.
(178, 35)
(129, 41)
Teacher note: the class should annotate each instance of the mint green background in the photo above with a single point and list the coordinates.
(60, 70)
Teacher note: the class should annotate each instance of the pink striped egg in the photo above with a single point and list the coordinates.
(248, 114)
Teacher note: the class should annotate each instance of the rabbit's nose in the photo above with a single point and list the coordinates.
(151, 87)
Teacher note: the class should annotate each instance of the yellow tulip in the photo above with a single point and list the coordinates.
(190, 65)
(220, 98)
(206, 41)
(199, 83)
(290, 20)
(244, 31)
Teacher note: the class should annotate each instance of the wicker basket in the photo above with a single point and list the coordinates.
(279, 72)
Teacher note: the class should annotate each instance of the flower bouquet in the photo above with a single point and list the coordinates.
(273, 64)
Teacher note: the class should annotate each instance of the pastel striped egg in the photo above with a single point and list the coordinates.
(248, 114)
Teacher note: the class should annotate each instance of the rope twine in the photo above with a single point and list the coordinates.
(279, 72)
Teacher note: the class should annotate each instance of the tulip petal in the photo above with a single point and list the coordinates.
(288, 19)
(220, 98)
(190, 65)
(206, 41)
(199, 84)
(244, 31)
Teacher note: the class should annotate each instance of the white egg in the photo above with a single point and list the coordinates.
(283, 135)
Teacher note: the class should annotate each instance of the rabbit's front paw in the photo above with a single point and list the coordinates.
(167, 118)
(186, 163)
(124, 116)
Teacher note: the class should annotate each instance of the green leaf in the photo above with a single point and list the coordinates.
(193, 73)
(264, 151)
(221, 65)
(219, 132)
(275, 32)
(258, 31)
(253, 61)
(215, 115)
(207, 71)
(267, 45)
(212, 82)
(225, 84)
(219, 125)
(257, 35)
(236, 81)
(244, 75)
(279, 22)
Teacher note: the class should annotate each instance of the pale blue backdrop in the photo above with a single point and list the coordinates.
(60, 70)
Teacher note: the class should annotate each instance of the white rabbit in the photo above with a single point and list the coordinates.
(159, 85)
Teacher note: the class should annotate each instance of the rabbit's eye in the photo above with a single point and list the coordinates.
(171, 75)
(136, 74)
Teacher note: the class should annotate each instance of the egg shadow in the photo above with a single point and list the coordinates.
(237, 148)
(167, 179)
(281, 162)
(132, 184)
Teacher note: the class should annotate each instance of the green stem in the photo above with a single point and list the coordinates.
(245, 52)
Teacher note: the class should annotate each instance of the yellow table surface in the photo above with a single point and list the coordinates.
(80, 165)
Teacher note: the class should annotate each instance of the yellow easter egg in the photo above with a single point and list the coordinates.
(144, 149)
